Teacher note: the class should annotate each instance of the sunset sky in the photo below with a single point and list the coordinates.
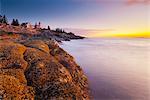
(92, 18)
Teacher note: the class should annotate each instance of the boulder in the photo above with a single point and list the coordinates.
(79, 79)
(11, 55)
(38, 44)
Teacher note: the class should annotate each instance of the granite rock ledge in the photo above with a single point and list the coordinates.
(40, 70)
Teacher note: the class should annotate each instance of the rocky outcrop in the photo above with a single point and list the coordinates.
(58, 36)
(40, 69)
(19, 32)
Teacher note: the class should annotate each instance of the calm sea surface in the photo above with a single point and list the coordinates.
(117, 69)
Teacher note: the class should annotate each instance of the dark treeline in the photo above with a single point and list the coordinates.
(60, 30)
(3, 19)
(15, 22)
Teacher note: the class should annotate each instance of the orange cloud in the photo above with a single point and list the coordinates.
(131, 2)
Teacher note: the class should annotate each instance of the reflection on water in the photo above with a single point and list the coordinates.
(118, 69)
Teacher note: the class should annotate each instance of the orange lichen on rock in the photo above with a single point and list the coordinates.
(12, 88)
(38, 45)
(11, 55)
(40, 69)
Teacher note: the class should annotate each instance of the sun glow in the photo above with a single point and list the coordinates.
(122, 35)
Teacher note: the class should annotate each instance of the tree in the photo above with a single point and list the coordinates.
(39, 23)
(63, 31)
(24, 25)
(35, 26)
(3, 19)
(15, 22)
(59, 30)
(48, 28)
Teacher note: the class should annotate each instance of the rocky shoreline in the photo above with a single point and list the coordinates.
(24, 33)
(35, 67)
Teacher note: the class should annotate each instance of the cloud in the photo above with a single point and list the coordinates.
(87, 32)
(96, 1)
(132, 2)
(112, 1)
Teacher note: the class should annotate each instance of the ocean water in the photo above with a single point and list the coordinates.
(117, 69)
